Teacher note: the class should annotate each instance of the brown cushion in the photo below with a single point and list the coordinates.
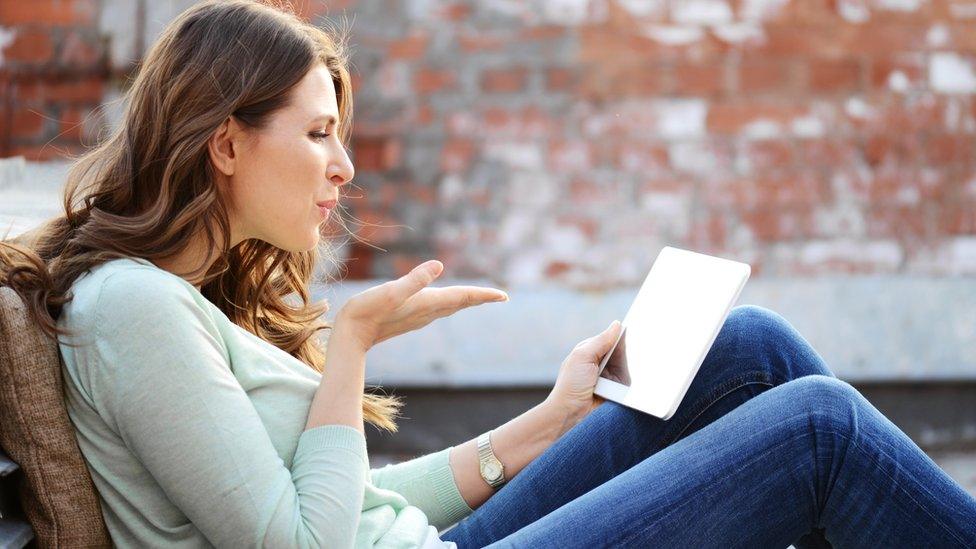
(56, 492)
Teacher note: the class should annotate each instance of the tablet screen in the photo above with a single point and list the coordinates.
(670, 327)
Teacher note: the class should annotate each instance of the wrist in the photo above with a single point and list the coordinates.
(561, 416)
(346, 332)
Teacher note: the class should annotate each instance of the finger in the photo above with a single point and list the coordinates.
(468, 296)
(418, 278)
(594, 348)
(448, 300)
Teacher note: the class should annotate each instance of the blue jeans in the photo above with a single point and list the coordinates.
(767, 449)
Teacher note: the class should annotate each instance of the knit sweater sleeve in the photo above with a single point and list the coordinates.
(162, 378)
(427, 482)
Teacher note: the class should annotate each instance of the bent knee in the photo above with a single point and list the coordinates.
(759, 322)
(755, 332)
(831, 404)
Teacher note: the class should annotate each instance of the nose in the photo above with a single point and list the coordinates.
(341, 170)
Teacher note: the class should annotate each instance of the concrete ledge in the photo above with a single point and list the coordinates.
(871, 328)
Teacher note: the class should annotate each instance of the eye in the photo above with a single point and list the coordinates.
(319, 136)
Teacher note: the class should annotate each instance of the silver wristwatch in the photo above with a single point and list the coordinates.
(492, 470)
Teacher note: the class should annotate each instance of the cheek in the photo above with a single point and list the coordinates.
(280, 180)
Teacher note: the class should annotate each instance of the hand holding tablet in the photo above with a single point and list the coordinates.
(669, 329)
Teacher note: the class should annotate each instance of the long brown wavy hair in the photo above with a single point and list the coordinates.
(149, 186)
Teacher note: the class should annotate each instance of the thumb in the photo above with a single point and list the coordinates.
(419, 277)
(597, 346)
(609, 336)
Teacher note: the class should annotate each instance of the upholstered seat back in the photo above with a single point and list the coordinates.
(55, 489)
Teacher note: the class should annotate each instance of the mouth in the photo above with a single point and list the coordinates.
(326, 206)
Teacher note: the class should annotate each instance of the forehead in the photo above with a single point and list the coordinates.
(314, 94)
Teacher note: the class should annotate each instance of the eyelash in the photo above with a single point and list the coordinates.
(319, 135)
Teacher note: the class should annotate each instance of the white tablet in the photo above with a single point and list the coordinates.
(672, 323)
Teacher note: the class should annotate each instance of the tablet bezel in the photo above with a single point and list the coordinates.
(665, 407)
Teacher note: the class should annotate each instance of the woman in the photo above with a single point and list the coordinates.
(206, 414)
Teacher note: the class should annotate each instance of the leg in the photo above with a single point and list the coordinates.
(811, 453)
(755, 350)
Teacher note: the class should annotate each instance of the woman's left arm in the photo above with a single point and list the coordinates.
(522, 439)
(515, 444)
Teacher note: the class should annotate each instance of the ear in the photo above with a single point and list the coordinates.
(223, 146)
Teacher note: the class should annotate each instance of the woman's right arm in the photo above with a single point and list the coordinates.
(339, 397)
(377, 314)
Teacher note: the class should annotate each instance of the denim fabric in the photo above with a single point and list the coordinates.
(768, 448)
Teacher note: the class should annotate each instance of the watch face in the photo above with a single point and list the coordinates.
(492, 471)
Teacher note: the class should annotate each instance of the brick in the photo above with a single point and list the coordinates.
(767, 190)
(787, 39)
(833, 152)
(72, 124)
(481, 42)
(613, 82)
(897, 73)
(587, 226)
(764, 76)
(425, 195)
(85, 90)
(959, 218)
(943, 148)
(884, 39)
(561, 79)
(528, 123)
(425, 115)
(411, 47)
(897, 148)
(30, 45)
(557, 268)
(698, 80)
(434, 80)
(375, 154)
(605, 44)
(456, 155)
(570, 156)
(360, 263)
(907, 223)
(376, 226)
(82, 51)
(768, 155)
(50, 12)
(453, 12)
(833, 75)
(732, 116)
(640, 158)
(45, 152)
(27, 124)
(709, 232)
(504, 80)
(781, 224)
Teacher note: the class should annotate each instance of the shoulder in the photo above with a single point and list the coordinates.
(124, 289)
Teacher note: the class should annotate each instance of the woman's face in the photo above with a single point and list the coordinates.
(283, 169)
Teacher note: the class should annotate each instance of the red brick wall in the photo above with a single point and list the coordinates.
(52, 75)
(565, 141)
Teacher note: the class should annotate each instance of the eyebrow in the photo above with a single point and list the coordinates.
(327, 117)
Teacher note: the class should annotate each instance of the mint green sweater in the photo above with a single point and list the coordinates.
(193, 430)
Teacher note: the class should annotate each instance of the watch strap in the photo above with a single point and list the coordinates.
(487, 456)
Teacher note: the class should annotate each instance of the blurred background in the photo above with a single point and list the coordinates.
(553, 147)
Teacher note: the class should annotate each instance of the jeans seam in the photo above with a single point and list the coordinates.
(870, 458)
(853, 443)
(689, 500)
(757, 377)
